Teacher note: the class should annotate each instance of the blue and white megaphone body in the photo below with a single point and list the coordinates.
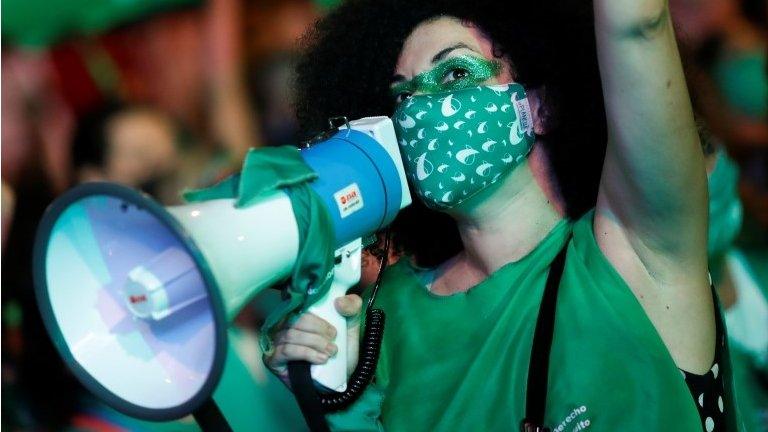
(137, 297)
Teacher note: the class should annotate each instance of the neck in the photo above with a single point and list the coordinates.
(507, 225)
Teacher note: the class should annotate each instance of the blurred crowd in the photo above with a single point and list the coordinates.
(171, 98)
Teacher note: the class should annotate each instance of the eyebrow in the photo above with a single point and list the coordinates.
(444, 52)
(439, 56)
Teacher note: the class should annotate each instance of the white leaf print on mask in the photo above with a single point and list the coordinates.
(432, 145)
(488, 145)
(442, 127)
(450, 106)
(466, 156)
(420, 115)
(458, 124)
(460, 177)
(469, 115)
(516, 134)
(424, 167)
(482, 127)
(484, 169)
(447, 197)
(407, 122)
(441, 169)
(420, 134)
(491, 107)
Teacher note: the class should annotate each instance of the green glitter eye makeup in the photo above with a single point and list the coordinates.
(452, 74)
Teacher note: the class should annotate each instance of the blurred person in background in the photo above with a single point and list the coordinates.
(725, 43)
(128, 144)
(740, 275)
(731, 48)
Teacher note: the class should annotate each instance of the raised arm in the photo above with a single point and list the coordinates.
(654, 183)
(651, 216)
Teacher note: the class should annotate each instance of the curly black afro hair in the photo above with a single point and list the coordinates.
(349, 59)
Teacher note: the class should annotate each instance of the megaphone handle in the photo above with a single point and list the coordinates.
(209, 417)
(333, 374)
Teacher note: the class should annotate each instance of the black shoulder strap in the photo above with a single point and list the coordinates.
(538, 369)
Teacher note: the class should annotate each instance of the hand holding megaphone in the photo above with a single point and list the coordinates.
(312, 338)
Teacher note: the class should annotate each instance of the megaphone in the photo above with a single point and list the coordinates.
(137, 297)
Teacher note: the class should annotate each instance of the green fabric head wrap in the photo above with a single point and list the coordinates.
(458, 143)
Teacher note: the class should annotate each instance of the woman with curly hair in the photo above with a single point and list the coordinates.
(561, 143)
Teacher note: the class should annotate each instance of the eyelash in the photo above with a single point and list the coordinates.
(450, 72)
(402, 96)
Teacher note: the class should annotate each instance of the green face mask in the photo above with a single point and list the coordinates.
(456, 144)
(725, 210)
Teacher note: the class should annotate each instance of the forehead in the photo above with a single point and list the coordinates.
(435, 35)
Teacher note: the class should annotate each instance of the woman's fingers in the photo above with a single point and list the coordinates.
(310, 338)
(289, 352)
(313, 324)
(293, 336)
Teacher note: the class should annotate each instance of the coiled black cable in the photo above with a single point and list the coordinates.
(370, 348)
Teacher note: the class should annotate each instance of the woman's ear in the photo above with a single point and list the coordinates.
(542, 115)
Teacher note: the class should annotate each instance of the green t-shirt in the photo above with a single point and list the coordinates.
(460, 362)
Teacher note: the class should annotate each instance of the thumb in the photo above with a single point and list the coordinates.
(349, 306)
